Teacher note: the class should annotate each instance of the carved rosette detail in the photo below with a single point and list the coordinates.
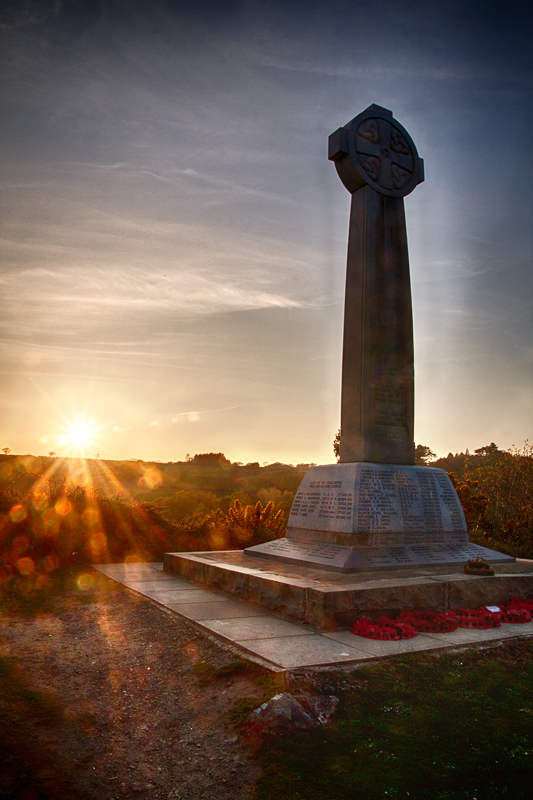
(384, 154)
(371, 166)
(369, 130)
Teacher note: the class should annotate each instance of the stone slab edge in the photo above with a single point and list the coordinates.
(345, 559)
(328, 609)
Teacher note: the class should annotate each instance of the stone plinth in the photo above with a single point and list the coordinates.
(360, 559)
(329, 600)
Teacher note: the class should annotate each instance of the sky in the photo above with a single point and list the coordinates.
(173, 237)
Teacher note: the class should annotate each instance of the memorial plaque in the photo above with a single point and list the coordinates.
(377, 498)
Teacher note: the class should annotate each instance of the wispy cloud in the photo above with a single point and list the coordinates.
(174, 416)
(171, 221)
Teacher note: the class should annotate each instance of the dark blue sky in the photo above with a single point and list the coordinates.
(174, 238)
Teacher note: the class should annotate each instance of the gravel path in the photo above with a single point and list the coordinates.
(138, 718)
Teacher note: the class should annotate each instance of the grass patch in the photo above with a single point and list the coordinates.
(457, 726)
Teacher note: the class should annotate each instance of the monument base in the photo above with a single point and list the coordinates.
(362, 516)
(327, 600)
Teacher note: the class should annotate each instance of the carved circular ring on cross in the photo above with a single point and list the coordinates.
(375, 150)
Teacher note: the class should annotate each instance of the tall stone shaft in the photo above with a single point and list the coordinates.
(377, 407)
(377, 162)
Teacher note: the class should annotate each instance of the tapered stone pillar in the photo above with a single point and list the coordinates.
(377, 410)
(378, 163)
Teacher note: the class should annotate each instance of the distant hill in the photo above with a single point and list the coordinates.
(211, 472)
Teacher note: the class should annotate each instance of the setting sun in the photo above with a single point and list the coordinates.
(81, 434)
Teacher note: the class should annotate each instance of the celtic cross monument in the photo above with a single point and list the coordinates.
(376, 509)
(378, 163)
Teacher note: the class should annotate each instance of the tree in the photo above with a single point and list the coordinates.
(210, 460)
(507, 481)
(337, 444)
(6, 450)
(489, 450)
(52, 454)
(423, 455)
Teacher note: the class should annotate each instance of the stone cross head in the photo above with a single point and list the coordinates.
(375, 150)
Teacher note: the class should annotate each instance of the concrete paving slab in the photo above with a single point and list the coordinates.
(218, 609)
(292, 652)
(264, 627)
(151, 586)
(523, 629)
(472, 636)
(177, 594)
(121, 571)
(197, 612)
(131, 565)
(380, 649)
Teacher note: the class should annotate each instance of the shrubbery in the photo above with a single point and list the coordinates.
(497, 496)
(56, 524)
(66, 524)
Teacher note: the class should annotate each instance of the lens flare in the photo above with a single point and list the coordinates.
(18, 513)
(25, 565)
(63, 506)
(85, 582)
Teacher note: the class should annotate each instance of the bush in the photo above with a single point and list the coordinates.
(61, 524)
(56, 524)
(497, 497)
(473, 501)
(254, 524)
(243, 526)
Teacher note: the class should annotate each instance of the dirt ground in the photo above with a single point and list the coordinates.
(145, 702)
